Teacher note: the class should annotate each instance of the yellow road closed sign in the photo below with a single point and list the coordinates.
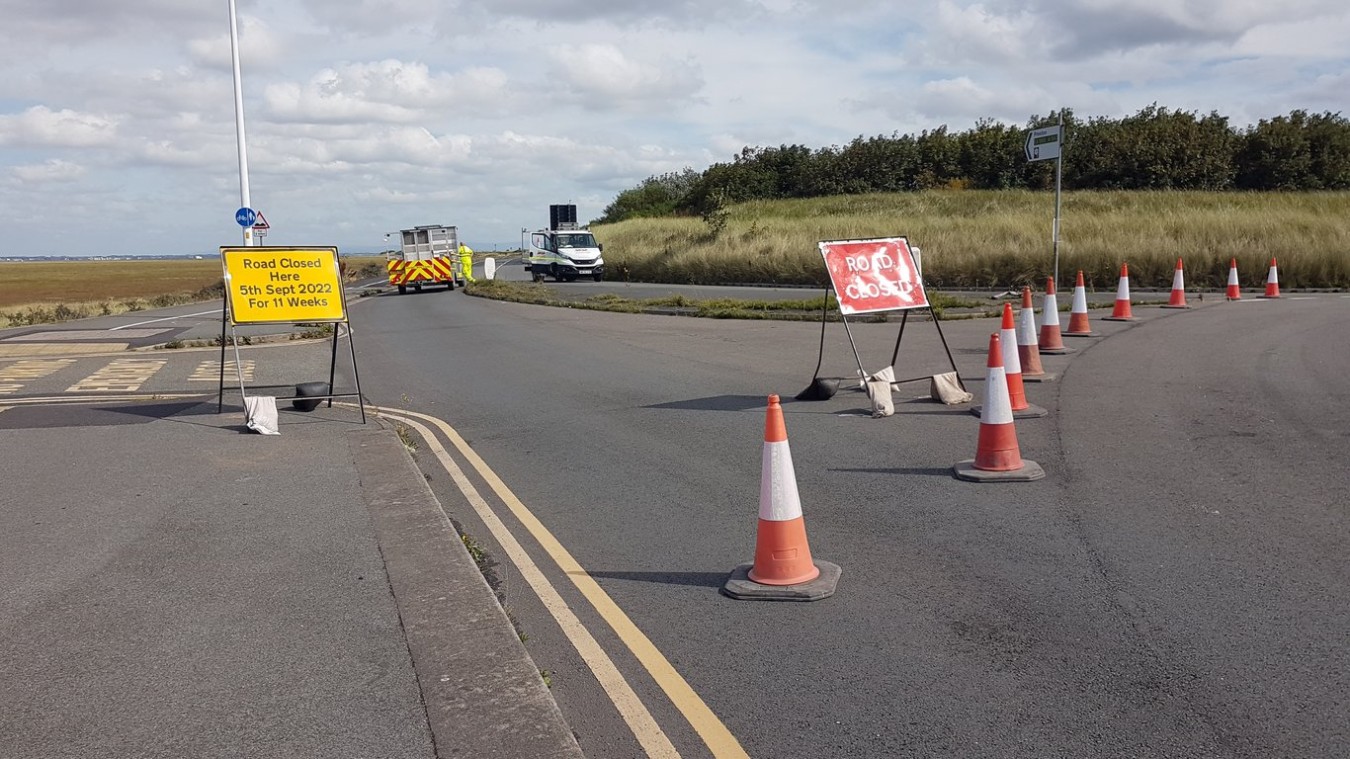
(283, 285)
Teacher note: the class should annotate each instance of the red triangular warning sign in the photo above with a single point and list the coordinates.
(261, 223)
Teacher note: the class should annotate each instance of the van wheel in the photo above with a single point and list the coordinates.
(402, 289)
(418, 287)
(599, 276)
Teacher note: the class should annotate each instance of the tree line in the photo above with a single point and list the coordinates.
(1154, 149)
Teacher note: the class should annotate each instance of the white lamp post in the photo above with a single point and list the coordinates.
(239, 125)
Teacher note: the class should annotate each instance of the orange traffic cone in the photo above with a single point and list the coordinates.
(1078, 313)
(1234, 291)
(1012, 371)
(1272, 281)
(1122, 313)
(782, 569)
(1012, 364)
(1028, 350)
(1051, 341)
(997, 455)
(1178, 299)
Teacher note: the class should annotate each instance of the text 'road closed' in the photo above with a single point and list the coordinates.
(283, 285)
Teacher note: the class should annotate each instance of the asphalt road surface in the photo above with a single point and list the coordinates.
(1173, 588)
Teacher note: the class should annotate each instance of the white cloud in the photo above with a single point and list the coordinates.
(258, 45)
(40, 126)
(389, 91)
(601, 76)
(364, 115)
(54, 170)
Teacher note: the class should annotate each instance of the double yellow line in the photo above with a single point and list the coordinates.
(653, 740)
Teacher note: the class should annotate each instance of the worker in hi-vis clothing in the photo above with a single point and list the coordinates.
(466, 261)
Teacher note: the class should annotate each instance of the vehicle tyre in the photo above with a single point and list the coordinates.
(402, 289)
(452, 285)
(418, 287)
(537, 276)
(599, 276)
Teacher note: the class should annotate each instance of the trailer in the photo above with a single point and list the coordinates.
(427, 255)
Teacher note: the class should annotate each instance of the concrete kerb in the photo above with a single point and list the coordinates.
(483, 693)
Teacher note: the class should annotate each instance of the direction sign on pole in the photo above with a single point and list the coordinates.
(245, 217)
(1043, 144)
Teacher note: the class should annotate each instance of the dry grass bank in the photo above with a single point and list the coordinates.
(996, 239)
(40, 292)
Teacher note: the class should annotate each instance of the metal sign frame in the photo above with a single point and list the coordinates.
(229, 320)
(878, 245)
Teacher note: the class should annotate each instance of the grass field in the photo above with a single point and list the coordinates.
(39, 292)
(970, 239)
(1002, 239)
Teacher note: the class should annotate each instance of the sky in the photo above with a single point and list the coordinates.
(363, 117)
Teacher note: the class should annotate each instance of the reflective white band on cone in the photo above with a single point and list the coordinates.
(1026, 327)
(778, 499)
(1012, 362)
(1050, 311)
(1079, 300)
(997, 407)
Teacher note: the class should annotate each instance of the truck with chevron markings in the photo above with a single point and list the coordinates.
(427, 256)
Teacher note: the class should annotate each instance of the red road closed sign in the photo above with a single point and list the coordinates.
(873, 275)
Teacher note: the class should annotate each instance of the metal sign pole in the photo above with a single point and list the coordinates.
(1059, 173)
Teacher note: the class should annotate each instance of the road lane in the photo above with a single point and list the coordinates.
(1093, 614)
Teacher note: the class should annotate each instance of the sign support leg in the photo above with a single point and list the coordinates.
(862, 373)
(904, 319)
(332, 361)
(938, 323)
(356, 375)
(818, 390)
(220, 388)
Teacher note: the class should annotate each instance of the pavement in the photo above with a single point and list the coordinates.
(174, 585)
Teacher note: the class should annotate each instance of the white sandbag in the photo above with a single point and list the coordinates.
(880, 393)
(260, 414)
(947, 389)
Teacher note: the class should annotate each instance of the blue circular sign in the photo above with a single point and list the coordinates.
(246, 217)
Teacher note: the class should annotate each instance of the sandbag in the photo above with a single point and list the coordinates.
(947, 389)
(260, 414)
(879, 390)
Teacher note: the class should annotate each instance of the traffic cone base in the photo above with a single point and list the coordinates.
(1056, 351)
(783, 569)
(1030, 471)
(741, 587)
(1032, 411)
